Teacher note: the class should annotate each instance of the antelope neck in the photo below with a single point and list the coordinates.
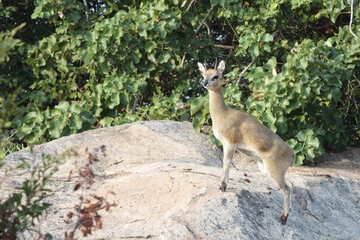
(216, 102)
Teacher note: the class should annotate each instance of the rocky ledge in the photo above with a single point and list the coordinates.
(165, 179)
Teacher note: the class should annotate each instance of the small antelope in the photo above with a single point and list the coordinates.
(237, 130)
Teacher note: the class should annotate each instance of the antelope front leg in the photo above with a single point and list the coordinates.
(229, 150)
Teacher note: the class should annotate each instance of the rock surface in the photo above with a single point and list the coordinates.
(165, 178)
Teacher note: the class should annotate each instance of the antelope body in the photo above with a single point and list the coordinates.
(238, 131)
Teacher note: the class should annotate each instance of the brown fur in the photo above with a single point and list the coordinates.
(237, 130)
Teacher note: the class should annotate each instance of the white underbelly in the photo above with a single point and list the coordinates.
(248, 150)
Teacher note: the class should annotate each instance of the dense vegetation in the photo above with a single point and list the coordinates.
(71, 65)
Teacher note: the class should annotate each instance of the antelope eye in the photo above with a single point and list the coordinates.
(216, 77)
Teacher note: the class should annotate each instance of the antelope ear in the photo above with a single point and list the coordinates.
(201, 67)
(221, 67)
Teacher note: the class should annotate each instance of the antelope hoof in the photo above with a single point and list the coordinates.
(283, 219)
(223, 187)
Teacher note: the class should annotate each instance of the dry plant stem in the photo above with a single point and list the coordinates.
(208, 28)
(184, 3)
(224, 46)
(243, 72)
(79, 214)
(86, 11)
(351, 18)
(203, 21)
(188, 8)
(183, 61)
(135, 103)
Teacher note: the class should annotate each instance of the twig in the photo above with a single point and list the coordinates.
(135, 103)
(232, 163)
(190, 5)
(351, 18)
(208, 29)
(182, 61)
(79, 217)
(243, 72)
(203, 21)
(82, 104)
(13, 134)
(184, 3)
(86, 11)
(224, 46)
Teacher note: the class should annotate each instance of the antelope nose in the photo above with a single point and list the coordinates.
(205, 83)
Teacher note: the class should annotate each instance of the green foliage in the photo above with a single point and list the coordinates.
(21, 210)
(104, 63)
(68, 66)
(298, 102)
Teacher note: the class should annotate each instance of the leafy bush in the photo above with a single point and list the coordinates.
(93, 64)
(22, 210)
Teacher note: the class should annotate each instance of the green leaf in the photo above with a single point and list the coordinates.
(197, 104)
(271, 63)
(141, 18)
(88, 58)
(301, 63)
(313, 141)
(63, 106)
(87, 116)
(151, 57)
(160, 29)
(54, 129)
(140, 86)
(297, 148)
(299, 160)
(268, 117)
(89, 37)
(56, 112)
(310, 155)
(62, 64)
(298, 86)
(164, 58)
(303, 134)
(114, 100)
(150, 46)
(198, 123)
(336, 94)
(266, 48)
(292, 142)
(109, 86)
(254, 50)
(273, 87)
(260, 107)
(173, 23)
(27, 127)
(74, 16)
(267, 37)
(75, 122)
(106, 121)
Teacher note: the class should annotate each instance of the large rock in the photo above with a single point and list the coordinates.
(165, 177)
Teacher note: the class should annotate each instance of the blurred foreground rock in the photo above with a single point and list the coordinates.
(165, 178)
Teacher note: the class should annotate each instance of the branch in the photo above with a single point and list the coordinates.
(182, 61)
(135, 103)
(243, 72)
(86, 11)
(351, 18)
(190, 5)
(224, 46)
(208, 29)
(203, 21)
(184, 3)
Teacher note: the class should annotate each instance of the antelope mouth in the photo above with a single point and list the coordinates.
(205, 84)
